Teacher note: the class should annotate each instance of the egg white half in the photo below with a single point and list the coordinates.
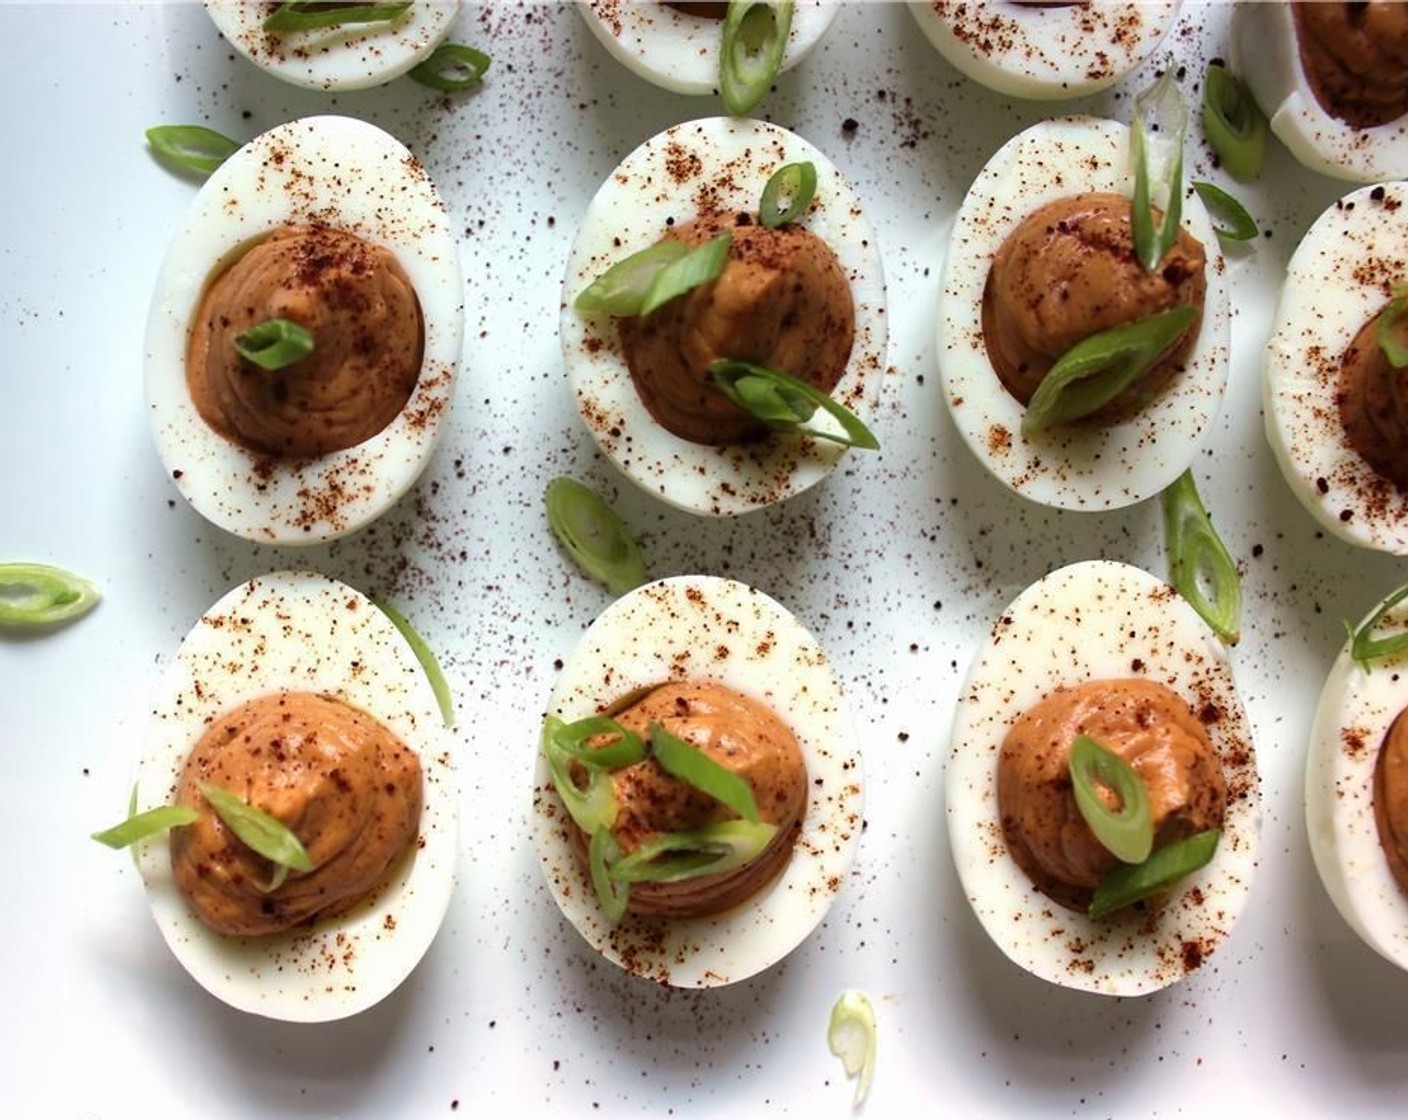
(710, 629)
(730, 161)
(1355, 710)
(680, 52)
(1045, 53)
(1334, 285)
(351, 56)
(1265, 54)
(1098, 620)
(302, 631)
(340, 172)
(1073, 467)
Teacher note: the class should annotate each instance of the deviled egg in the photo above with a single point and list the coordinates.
(712, 173)
(328, 226)
(286, 640)
(688, 636)
(1102, 622)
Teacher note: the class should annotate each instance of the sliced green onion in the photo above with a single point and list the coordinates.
(1365, 648)
(41, 594)
(452, 68)
(701, 265)
(692, 766)
(1160, 122)
(788, 403)
(754, 41)
(139, 826)
(191, 147)
(1394, 350)
(274, 343)
(621, 289)
(1234, 123)
(307, 15)
(1124, 886)
(1126, 832)
(590, 808)
(712, 850)
(571, 739)
(593, 535)
(788, 193)
(1098, 369)
(850, 1033)
(1199, 565)
(603, 853)
(1240, 226)
(268, 836)
(428, 661)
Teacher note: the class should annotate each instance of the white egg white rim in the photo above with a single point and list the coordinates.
(296, 626)
(1354, 713)
(365, 182)
(352, 56)
(715, 481)
(669, 630)
(1118, 955)
(1322, 307)
(1083, 468)
(1045, 53)
(680, 52)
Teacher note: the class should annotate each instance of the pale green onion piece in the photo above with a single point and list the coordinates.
(1124, 886)
(274, 343)
(1240, 226)
(621, 289)
(308, 15)
(788, 193)
(593, 535)
(701, 265)
(685, 761)
(590, 808)
(191, 147)
(428, 661)
(754, 41)
(850, 1033)
(1365, 648)
(1127, 830)
(452, 68)
(267, 836)
(1156, 145)
(139, 826)
(788, 403)
(712, 850)
(1388, 322)
(41, 595)
(603, 853)
(1198, 562)
(571, 739)
(1234, 123)
(1096, 370)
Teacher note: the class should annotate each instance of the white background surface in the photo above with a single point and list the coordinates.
(899, 563)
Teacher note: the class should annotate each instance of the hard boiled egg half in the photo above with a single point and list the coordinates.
(301, 631)
(702, 628)
(348, 55)
(330, 171)
(1078, 466)
(712, 165)
(1091, 621)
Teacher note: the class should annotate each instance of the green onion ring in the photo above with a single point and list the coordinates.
(692, 766)
(712, 850)
(1199, 564)
(1098, 369)
(1160, 109)
(451, 68)
(139, 826)
(308, 15)
(593, 535)
(274, 343)
(603, 853)
(571, 739)
(850, 1033)
(1124, 886)
(1241, 226)
(191, 147)
(1365, 648)
(428, 661)
(267, 836)
(754, 41)
(1127, 832)
(621, 289)
(33, 595)
(701, 265)
(793, 184)
(787, 403)
(589, 808)
(1394, 350)
(1234, 124)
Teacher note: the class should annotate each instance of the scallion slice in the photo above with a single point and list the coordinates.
(1126, 831)
(451, 68)
(1240, 226)
(267, 836)
(274, 343)
(788, 403)
(1365, 648)
(1124, 886)
(621, 289)
(590, 808)
(754, 41)
(428, 661)
(1388, 322)
(603, 853)
(788, 193)
(1199, 564)
(850, 1033)
(1156, 146)
(701, 265)
(711, 850)
(593, 535)
(1234, 123)
(1098, 369)
(191, 147)
(308, 15)
(139, 826)
(692, 766)
(571, 739)
(34, 595)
